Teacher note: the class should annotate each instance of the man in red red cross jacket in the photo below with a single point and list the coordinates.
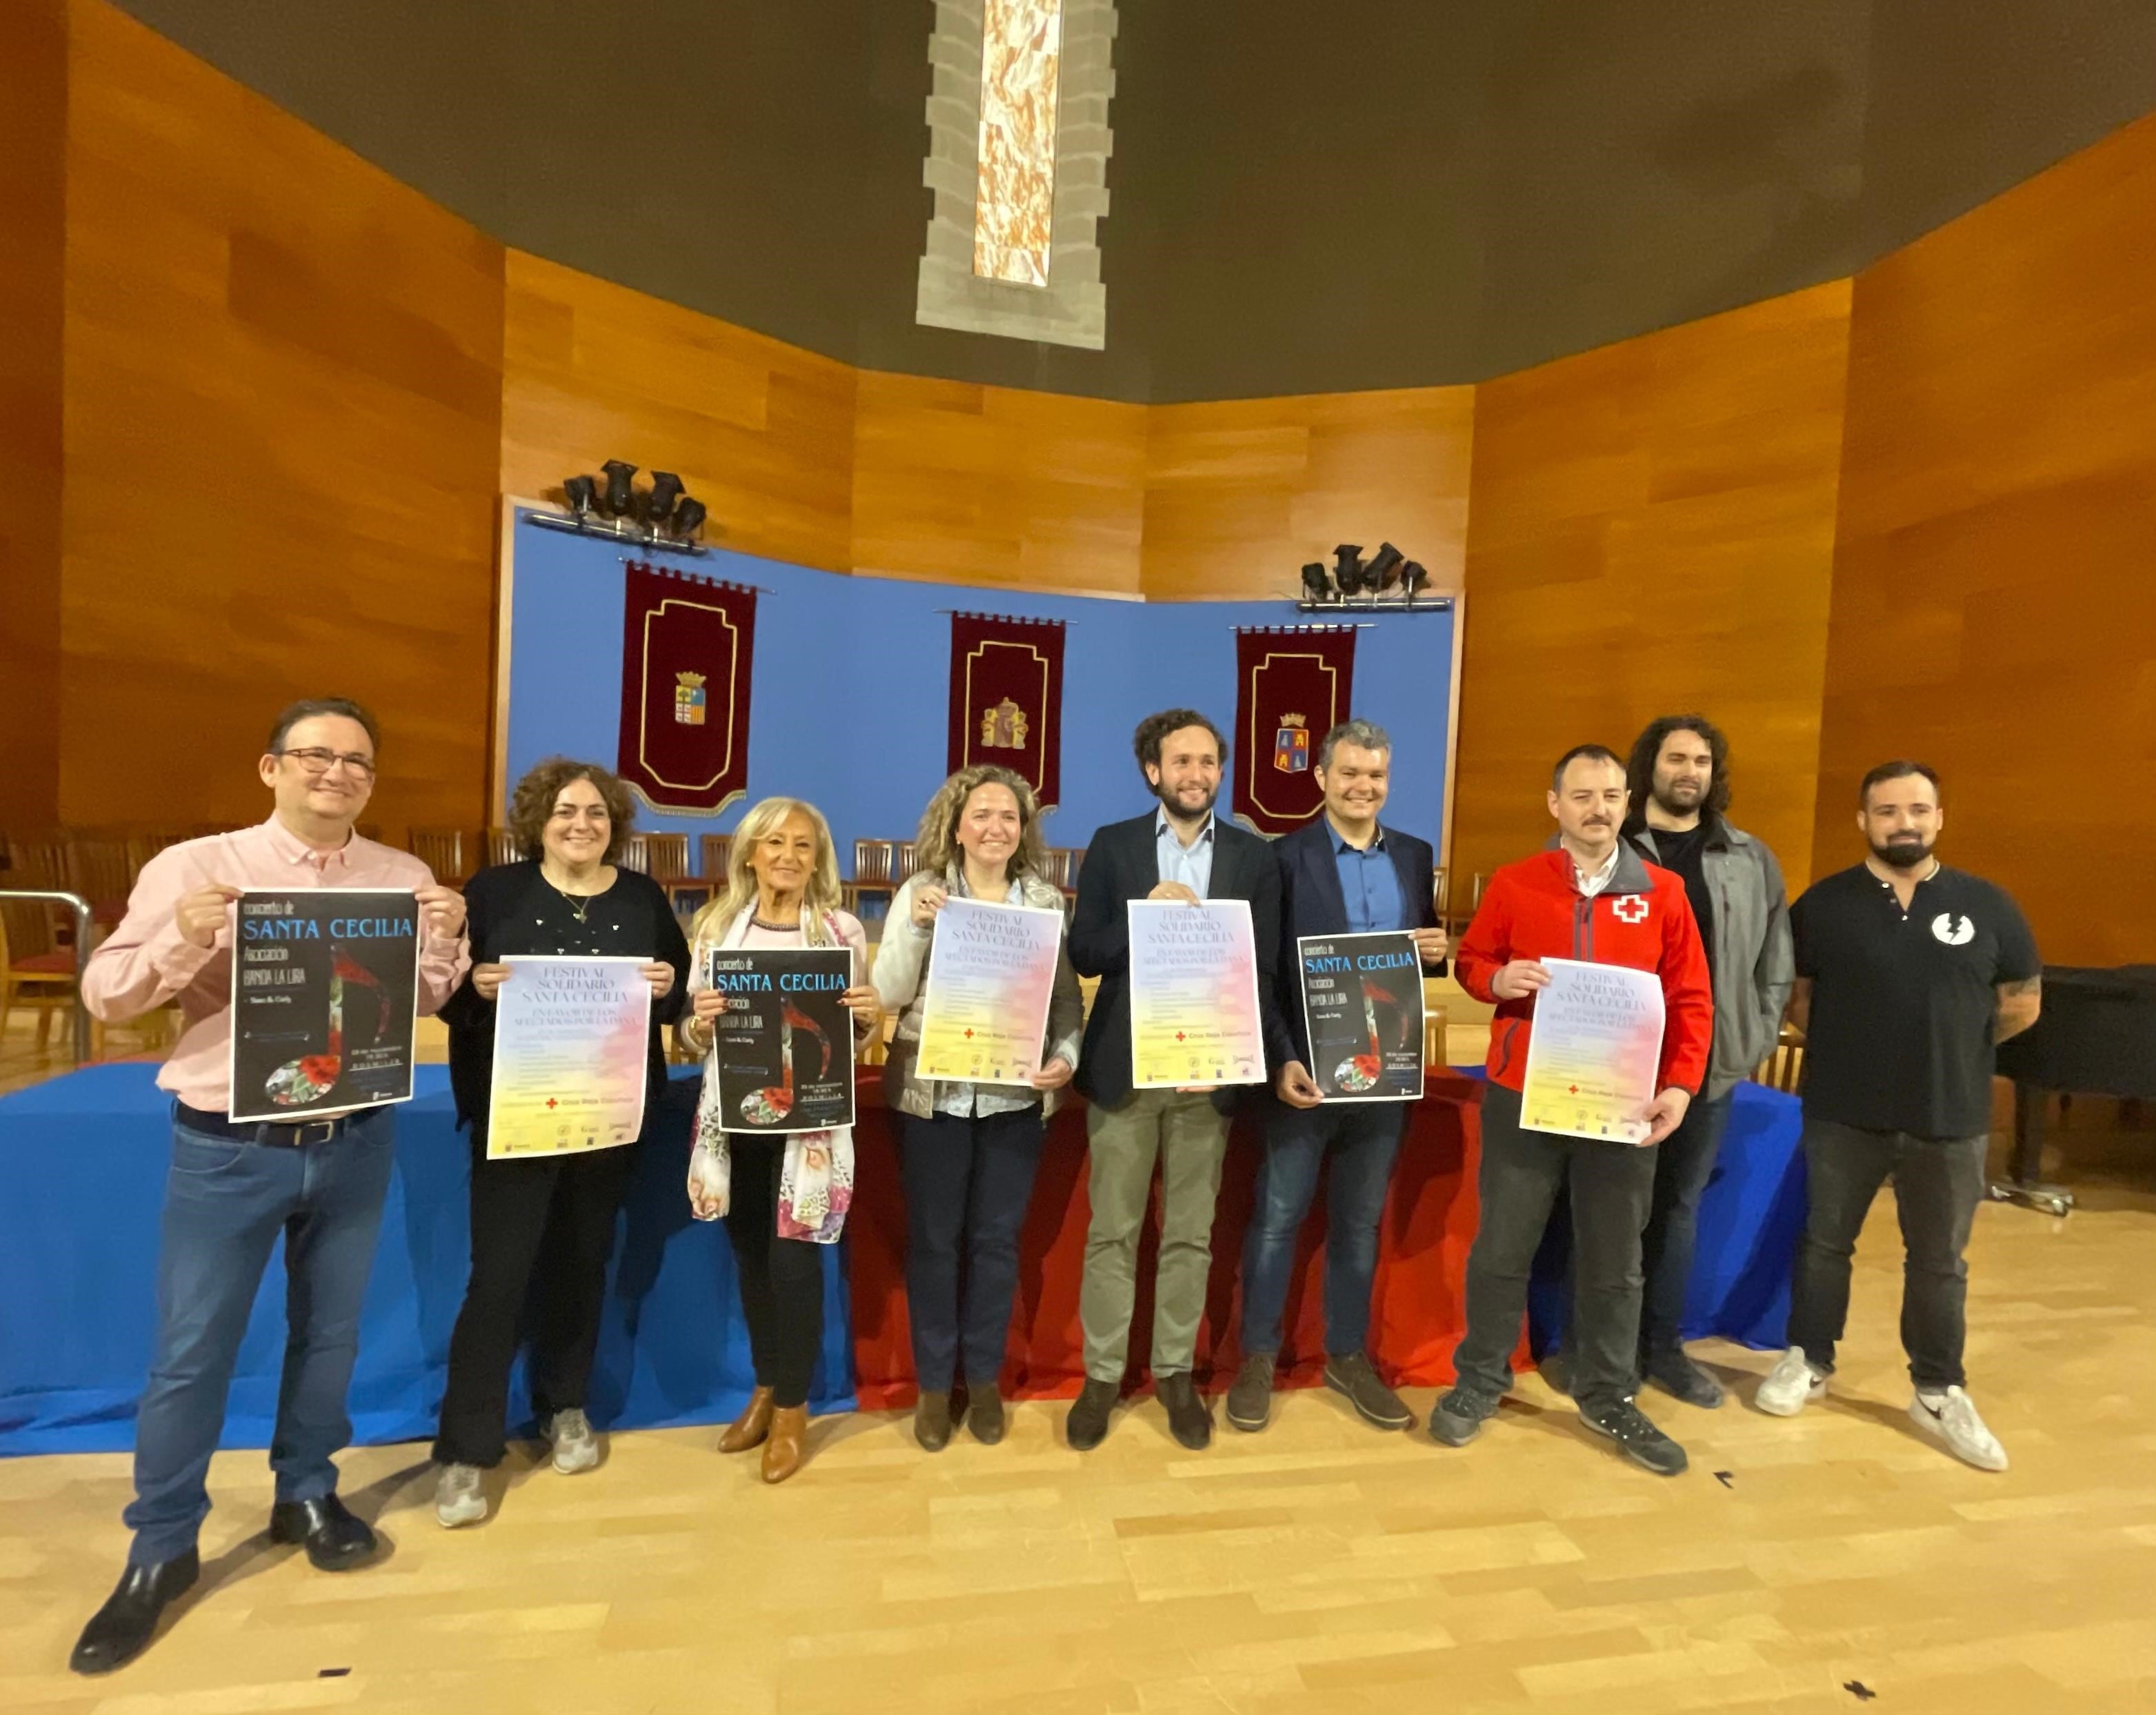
(1590, 897)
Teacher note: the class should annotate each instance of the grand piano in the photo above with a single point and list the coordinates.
(2095, 1037)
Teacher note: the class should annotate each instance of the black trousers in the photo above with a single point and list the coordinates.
(540, 1233)
(967, 1183)
(781, 1280)
(1938, 1183)
(1611, 1186)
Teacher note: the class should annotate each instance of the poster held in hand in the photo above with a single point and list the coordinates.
(324, 997)
(1194, 1016)
(572, 1053)
(1594, 1055)
(784, 1045)
(991, 976)
(1362, 1011)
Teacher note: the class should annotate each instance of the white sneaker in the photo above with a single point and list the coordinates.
(1951, 1417)
(1791, 1385)
(460, 1496)
(576, 1448)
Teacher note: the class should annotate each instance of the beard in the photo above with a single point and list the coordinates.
(1680, 798)
(1174, 800)
(1903, 853)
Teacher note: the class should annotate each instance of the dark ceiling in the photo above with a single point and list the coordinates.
(1304, 196)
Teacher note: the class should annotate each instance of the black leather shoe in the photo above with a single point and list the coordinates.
(1187, 1419)
(984, 1416)
(1458, 1416)
(1087, 1425)
(1676, 1375)
(932, 1419)
(336, 1540)
(1556, 1368)
(1354, 1375)
(121, 1630)
(1636, 1438)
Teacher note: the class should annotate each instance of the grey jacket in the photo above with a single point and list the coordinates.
(900, 977)
(1753, 963)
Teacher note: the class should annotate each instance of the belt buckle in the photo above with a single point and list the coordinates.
(308, 1131)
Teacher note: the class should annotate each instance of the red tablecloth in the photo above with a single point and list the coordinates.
(1417, 1311)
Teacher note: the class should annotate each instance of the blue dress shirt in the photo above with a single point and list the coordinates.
(1369, 883)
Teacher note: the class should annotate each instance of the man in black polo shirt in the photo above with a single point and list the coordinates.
(1907, 974)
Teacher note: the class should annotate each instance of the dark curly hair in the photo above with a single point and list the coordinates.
(532, 804)
(1640, 772)
(1147, 740)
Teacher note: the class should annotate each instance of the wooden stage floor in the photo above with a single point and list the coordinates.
(1320, 1566)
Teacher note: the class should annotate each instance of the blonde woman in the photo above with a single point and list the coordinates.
(781, 1197)
(969, 1151)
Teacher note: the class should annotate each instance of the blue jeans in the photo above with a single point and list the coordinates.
(1683, 1165)
(968, 1182)
(1362, 1138)
(225, 1204)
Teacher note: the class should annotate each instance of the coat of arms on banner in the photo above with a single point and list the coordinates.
(1003, 727)
(1292, 745)
(689, 698)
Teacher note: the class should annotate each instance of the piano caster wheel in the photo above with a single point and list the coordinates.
(2045, 1200)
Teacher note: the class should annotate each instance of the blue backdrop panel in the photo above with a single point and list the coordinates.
(850, 704)
(85, 1158)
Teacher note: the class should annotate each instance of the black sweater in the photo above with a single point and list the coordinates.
(513, 911)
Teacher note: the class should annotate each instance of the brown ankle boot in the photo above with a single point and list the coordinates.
(788, 1444)
(751, 1427)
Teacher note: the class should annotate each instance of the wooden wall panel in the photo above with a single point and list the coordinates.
(1994, 588)
(994, 486)
(1240, 494)
(33, 245)
(761, 432)
(282, 426)
(1650, 531)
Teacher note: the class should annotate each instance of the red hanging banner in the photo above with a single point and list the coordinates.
(1292, 686)
(1007, 698)
(687, 644)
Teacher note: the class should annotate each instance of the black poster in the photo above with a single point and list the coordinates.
(785, 1044)
(324, 991)
(1362, 1004)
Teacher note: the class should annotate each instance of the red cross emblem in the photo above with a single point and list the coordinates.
(1572, 1089)
(969, 1035)
(550, 1101)
(1632, 908)
(1178, 1036)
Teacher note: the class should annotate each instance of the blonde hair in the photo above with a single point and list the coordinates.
(936, 848)
(740, 893)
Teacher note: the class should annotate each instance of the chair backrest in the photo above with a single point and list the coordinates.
(1475, 903)
(715, 851)
(501, 846)
(1783, 1067)
(1056, 865)
(98, 867)
(41, 861)
(635, 853)
(441, 849)
(665, 856)
(26, 928)
(901, 859)
(872, 861)
(142, 847)
(1440, 890)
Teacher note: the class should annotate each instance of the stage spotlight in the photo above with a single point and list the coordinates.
(1413, 579)
(618, 496)
(1347, 567)
(688, 517)
(1383, 571)
(1315, 584)
(581, 491)
(665, 489)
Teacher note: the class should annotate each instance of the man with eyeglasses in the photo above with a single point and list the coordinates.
(233, 1189)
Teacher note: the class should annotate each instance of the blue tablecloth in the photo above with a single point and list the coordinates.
(1751, 1216)
(84, 1159)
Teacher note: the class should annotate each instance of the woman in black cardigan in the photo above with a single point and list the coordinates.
(543, 1226)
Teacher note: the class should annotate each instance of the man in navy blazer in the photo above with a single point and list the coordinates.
(1177, 850)
(1346, 873)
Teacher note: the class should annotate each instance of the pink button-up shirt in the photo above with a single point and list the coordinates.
(147, 961)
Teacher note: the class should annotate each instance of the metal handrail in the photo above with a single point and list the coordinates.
(80, 907)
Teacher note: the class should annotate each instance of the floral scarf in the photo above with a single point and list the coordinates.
(816, 1181)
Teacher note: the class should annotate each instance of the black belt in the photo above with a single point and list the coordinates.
(278, 1134)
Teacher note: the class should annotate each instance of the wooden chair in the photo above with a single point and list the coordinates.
(142, 847)
(1433, 1039)
(441, 849)
(715, 852)
(501, 847)
(38, 861)
(665, 856)
(36, 968)
(876, 864)
(691, 895)
(1440, 892)
(1057, 866)
(98, 868)
(1783, 1067)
